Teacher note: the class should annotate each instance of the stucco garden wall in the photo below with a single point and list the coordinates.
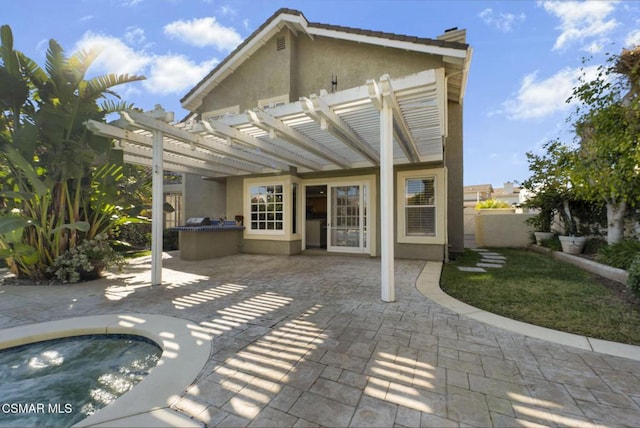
(503, 229)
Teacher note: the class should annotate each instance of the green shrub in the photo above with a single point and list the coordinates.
(594, 245)
(492, 203)
(619, 255)
(634, 276)
(553, 244)
(170, 240)
(136, 234)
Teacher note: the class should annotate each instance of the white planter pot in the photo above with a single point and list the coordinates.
(572, 244)
(542, 236)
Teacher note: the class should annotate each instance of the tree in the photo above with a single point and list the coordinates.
(60, 181)
(606, 163)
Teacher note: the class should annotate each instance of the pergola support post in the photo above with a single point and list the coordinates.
(157, 212)
(386, 201)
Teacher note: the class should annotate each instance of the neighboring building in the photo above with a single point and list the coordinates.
(508, 193)
(323, 136)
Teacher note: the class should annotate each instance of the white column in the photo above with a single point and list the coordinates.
(386, 201)
(157, 213)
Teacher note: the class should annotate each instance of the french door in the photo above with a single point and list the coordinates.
(347, 218)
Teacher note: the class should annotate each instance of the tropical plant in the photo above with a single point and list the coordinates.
(58, 181)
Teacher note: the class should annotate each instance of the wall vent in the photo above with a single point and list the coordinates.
(280, 44)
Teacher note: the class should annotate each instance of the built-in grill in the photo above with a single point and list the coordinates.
(198, 221)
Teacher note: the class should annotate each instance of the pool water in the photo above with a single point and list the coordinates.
(60, 382)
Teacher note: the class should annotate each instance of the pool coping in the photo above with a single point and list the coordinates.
(185, 351)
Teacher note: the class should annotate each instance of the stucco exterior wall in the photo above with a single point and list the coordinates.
(204, 198)
(306, 66)
(315, 61)
(455, 191)
(266, 74)
(503, 230)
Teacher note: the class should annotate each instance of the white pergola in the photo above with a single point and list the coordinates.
(382, 123)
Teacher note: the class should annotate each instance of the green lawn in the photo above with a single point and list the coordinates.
(537, 289)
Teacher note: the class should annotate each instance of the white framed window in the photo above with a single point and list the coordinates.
(266, 208)
(221, 112)
(421, 206)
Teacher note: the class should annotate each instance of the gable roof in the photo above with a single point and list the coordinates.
(456, 53)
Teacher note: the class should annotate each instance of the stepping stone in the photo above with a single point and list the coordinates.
(492, 260)
(471, 269)
(489, 265)
(478, 250)
(491, 256)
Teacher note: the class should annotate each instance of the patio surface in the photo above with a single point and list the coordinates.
(306, 341)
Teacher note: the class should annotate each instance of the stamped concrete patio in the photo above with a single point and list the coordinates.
(306, 341)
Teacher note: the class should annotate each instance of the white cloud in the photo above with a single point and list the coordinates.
(538, 98)
(245, 23)
(204, 32)
(131, 3)
(134, 35)
(580, 20)
(227, 10)
(166, 74)
(116, 56)
(175, 73)
(502, 21)
(86, 18)
(632, 39)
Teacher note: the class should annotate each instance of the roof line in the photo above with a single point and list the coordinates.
(319, 26)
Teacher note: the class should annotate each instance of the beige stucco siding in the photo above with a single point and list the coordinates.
(266, 74)
(317, 60)
(306, 66)
(455, 191)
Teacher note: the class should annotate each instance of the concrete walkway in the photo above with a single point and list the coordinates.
(306, 341)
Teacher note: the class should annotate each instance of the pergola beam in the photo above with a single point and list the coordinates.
(401, 130)
(177, 159)
(223, 130)
(125, 135)
(270, 124)
(316, 108)
(146, 122)
(144, 161)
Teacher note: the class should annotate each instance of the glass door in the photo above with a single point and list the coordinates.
(346, 222)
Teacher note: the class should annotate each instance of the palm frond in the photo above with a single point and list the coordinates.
(81, 60)
(56, 61)
(35, 73)
(114, 106)
(100, 84)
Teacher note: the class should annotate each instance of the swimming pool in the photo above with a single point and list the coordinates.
(60, 382)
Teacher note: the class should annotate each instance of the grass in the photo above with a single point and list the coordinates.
(537, 289)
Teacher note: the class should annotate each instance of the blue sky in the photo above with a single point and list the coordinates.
(527, 54)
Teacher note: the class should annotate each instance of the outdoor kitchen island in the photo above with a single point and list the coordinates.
(208, 241)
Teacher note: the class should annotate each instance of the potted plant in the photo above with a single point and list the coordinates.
(239, 220)
(547, 205)
(571, 242)
(86, 261)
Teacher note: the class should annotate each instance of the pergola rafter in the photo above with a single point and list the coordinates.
(317, 108)
(270, 124)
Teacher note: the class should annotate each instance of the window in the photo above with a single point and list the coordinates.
(419, 207)
(172, 218)
(267, 207)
